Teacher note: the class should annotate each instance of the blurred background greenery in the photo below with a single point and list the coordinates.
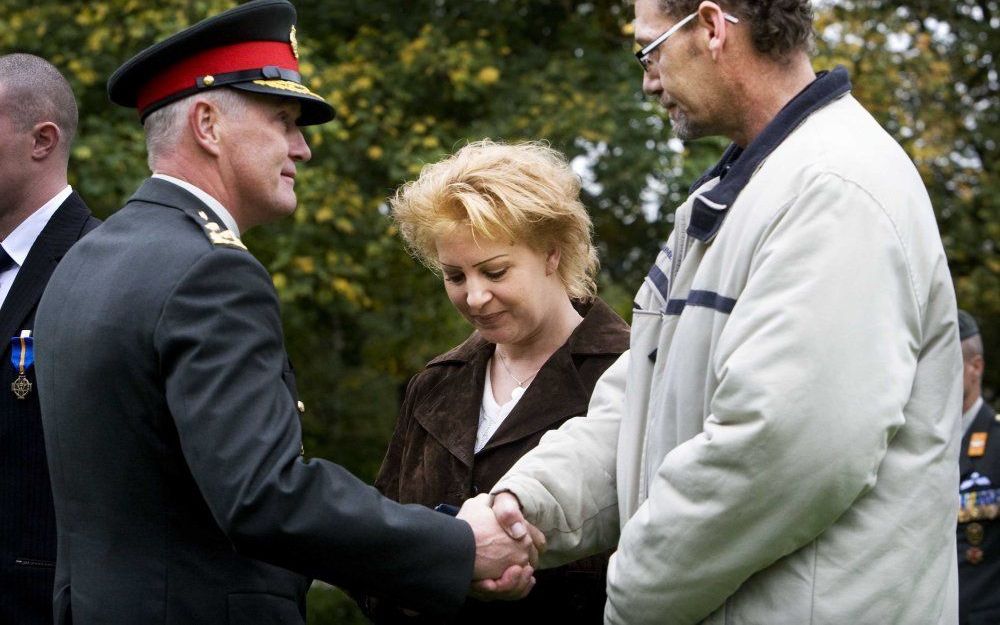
(412, 80)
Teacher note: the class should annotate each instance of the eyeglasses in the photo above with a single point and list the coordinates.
(643, 55)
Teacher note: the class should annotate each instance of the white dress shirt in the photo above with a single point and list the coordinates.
(969, 416)
(18, 243)
(211, 202)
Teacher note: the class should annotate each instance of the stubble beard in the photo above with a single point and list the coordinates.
(685, 129)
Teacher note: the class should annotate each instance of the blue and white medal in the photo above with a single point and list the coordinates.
(22, 356)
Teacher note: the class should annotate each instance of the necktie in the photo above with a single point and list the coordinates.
(6, 262)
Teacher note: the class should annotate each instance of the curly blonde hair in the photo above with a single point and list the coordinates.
(522, 192)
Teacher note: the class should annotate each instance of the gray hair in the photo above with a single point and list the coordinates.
(34, 91)
(972, 347)
(164, 126)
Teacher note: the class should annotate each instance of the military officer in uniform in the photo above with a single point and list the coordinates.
(169, 409)
(978, 527)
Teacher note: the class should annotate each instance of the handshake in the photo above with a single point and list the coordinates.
(507, 547)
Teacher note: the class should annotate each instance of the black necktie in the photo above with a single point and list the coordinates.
(6, 262)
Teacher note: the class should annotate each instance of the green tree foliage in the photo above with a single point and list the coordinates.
(409, 87)
(412, 80)
(927, 70)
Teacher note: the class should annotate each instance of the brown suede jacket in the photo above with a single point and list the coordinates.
(431, 461)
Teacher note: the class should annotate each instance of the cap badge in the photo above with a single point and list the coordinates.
(295, 42)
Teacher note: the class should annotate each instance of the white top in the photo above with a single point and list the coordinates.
(211, 202)
(492, 414)
(970, 415)
(18, 243)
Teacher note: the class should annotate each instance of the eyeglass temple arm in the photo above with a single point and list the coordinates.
(652, 44)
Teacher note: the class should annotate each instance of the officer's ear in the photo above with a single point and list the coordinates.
(978, 365)
(204, 120)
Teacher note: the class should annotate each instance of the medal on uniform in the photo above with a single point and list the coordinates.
(974, 555)
(977, 444)
(974, 534)
(22, 356)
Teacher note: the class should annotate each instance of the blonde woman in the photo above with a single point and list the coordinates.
(504, 227)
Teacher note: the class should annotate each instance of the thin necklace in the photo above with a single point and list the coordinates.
(520, 383)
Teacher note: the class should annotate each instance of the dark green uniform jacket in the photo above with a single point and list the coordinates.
(174, 442)
(978, 522)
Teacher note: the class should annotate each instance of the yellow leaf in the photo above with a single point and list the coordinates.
(324, 215)
(344, 226)
(305, 264)
(488, 75)
(346, 289)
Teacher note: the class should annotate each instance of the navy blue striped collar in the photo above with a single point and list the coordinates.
(737, 165)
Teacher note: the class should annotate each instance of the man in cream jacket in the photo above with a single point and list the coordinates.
(780, 444)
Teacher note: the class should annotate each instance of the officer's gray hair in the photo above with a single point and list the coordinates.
(165, 125)
(33, 92)
(972, 347)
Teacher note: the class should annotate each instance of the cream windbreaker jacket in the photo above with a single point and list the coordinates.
(780, 444)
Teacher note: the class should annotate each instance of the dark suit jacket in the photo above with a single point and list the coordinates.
(979, 538)
(174, 442)
(431, 461)
(27, 523)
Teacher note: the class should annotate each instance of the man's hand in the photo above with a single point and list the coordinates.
(516, 580)
(507, 509)
(516, 583)
(496, 551)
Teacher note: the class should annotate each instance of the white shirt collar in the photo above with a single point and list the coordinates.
(18, 243)
(970, 415)
(211, 202)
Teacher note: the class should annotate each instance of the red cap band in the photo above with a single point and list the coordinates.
(222, 60)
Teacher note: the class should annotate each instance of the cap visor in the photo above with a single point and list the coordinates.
(315, 109)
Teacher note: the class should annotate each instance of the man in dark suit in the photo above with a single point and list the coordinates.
(40, 218)
(182, 494)
(978, 523)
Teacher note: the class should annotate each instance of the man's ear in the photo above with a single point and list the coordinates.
(712, 18)
(45, 139)
(979, 364)
(205, 120)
